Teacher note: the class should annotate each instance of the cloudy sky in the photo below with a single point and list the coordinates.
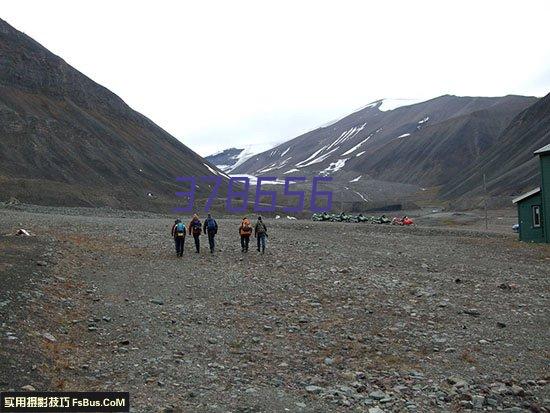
(217, 74)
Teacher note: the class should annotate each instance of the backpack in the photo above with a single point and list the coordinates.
(196, 226)
(261, 228)
(211, 225)
(180, 230)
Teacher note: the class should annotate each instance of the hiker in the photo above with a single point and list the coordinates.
(178, 233)
(211, 229)
(260, 232)
(245, 231)
(195, 230)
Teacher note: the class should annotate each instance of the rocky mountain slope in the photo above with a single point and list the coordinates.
(65, 140)
(428, 144)
(509, 165)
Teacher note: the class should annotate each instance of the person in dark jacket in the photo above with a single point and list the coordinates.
(260, 232)
(195, 230)
(178, 233)
(211, 229)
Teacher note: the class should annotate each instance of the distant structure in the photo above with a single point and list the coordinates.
(534, 206)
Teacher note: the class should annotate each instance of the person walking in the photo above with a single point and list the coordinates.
(178, 233)
(195, 229)
(211, 229)
(245, 231)
(260, 232)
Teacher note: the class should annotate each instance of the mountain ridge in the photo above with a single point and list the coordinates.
(510, 166)
(427, 144)
(66, 140)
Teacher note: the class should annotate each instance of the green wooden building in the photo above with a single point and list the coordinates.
(534, 206)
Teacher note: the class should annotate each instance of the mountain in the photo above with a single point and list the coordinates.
(226, 159)
(66, 140)
(230, 159)
(427, 144)
(434, 155)
(509, 165)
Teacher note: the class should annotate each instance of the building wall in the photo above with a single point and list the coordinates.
(545, 190)
(525, 218)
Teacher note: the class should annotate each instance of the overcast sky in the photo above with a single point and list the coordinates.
(217, 74)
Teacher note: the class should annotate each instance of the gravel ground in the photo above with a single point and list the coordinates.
(334, 317)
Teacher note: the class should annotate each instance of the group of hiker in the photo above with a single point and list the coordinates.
(210, 228)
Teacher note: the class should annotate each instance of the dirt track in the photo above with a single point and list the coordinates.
(334, 317)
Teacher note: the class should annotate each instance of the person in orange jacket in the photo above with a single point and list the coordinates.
(245, 231)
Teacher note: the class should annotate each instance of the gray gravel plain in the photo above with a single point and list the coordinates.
(334, 317)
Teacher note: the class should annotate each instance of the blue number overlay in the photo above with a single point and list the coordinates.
(299, 194)
(260, 193)
(232, 194)
(239, 193)
(190, 195)
(217, 183)
(316, 194)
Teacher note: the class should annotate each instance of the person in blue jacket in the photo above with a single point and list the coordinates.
(178, 233)
(211, 229)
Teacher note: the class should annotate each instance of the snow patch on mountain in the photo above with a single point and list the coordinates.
(269, 168)
(356, 179)
(283, 163)
(246, 153)
(214, 171)
(253, 180)
(211, 169)
(357, 146)
(362, 196)
(350, 133)
(422, 122)
(319, 159)
(275, 165)
(300, 164)
(334, 166)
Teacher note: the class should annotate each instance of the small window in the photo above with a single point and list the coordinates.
(536, 216)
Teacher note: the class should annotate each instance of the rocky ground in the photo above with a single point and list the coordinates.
(334, 317)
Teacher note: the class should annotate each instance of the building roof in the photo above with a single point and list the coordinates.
(544, 149)
(526, 195)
